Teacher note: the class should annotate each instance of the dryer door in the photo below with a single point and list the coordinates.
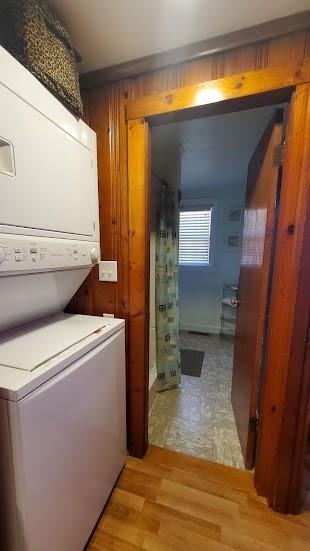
(48, 179)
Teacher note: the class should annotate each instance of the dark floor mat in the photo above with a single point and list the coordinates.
(191, 362)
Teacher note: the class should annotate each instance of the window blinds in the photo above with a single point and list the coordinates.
(194, 237)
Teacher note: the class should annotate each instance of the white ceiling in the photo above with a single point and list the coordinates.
(107, 32)
(216, 150)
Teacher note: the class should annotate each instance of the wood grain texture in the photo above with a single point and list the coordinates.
(281, 325)
(107, 107)
(290, 49)
(228, 88)
(104, 109)
(285, 377)
(258, 236)
(139, 257)
(173, 502)
(280, 27)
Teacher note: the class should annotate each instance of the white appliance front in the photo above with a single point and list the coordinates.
(66, 442)
(38, 276)
(48, 161)
(32, 296)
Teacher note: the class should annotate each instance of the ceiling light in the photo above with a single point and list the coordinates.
(208, 95)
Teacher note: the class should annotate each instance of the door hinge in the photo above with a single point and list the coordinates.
(254, 422)
(278, 154)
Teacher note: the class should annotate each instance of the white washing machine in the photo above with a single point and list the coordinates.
(62, 376)
(62, 429)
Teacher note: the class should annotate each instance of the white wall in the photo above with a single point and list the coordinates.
(201, 288)
(214, 165)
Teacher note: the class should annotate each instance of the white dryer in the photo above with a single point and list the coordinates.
(62, 376)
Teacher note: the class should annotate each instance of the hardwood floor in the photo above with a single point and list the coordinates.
(173, 502)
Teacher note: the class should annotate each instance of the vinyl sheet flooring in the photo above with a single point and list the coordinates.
(197, 418)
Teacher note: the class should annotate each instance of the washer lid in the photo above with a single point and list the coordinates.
(31, 346)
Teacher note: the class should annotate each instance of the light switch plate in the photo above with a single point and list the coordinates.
(107, 270)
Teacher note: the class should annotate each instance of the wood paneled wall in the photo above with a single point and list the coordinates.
(105, 113)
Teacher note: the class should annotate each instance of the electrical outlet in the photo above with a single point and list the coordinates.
(108, 270)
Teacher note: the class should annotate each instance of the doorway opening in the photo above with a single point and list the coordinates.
(215, 191)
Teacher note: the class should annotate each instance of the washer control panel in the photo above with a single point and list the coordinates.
(28, 254)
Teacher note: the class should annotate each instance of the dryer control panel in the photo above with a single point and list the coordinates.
(33, 254)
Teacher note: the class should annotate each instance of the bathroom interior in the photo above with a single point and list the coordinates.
(201, 171)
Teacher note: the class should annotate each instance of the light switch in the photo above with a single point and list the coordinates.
(108, 270)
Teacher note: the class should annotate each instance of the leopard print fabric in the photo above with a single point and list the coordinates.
(32, 33)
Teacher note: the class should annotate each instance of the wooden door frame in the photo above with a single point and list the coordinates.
(282, 388)
(139, 269)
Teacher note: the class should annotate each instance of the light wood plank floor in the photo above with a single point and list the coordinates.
(170, 501)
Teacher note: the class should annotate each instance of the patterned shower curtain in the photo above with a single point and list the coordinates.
(167, 292)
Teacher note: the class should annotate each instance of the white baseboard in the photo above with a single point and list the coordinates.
(200, 328)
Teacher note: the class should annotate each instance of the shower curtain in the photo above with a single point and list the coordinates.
(167, 292)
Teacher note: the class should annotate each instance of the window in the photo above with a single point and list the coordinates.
(194, 237)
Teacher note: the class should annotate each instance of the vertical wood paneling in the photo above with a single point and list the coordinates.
(103, 118)
(239, 61)
(307, 44)
(151, 83)
(286, 48)
(122, 252)
(199, 70)
(105, 112)
(83, 300)
(269, 53)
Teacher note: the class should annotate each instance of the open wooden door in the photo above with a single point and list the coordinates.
(263, 186)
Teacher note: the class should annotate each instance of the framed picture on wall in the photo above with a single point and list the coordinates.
(232, 242)
(234, 215)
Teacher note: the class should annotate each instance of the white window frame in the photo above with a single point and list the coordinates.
(201, 204)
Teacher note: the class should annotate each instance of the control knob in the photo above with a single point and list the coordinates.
(2, 255)
(94, 255)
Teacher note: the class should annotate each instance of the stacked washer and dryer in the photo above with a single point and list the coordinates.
(62, 376)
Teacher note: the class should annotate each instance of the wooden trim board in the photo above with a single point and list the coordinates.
(292, 211)
(214, 92)
(285, 377)
(139, 264)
